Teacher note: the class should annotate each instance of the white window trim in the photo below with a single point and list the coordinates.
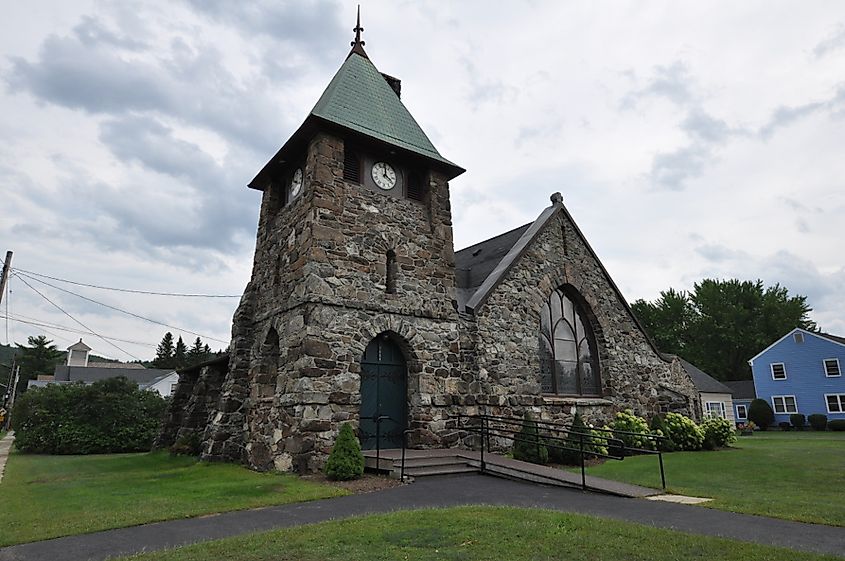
(841, 398)
(721, 404)
(785, 410)
(772, 369)
(744, 407)
(838, 368)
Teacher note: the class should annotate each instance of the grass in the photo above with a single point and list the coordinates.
(50, 496)
(475, 533)
(791, 475)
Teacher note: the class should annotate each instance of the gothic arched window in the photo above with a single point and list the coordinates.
(568, 359)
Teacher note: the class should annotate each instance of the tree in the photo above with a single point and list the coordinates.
(164, 352)
(720, 324)
(180, 359)
(40, 357)
(196, 353)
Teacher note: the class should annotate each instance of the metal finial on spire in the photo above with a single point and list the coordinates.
(358, 29)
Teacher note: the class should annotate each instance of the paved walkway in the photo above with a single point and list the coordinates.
(433, 492)
(5, 447)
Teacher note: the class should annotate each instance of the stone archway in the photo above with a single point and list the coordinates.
(384, 394)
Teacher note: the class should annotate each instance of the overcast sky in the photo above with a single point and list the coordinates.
(689, 140)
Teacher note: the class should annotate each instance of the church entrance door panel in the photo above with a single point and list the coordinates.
(383, 395)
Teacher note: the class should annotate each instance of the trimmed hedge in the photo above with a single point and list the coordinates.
(761, 413)
(836, 425)
(818, 421)
(108, 416)
(798, 420)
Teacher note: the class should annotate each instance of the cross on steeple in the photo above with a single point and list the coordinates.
(358, 44)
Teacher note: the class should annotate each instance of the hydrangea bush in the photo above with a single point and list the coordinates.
(719, 431)
(684, 432)
(626, 421)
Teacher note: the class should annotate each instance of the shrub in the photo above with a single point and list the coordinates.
(626, 421)
(761, 413)
(111, 415)
(784, 425)
(798, 420)
(594, 443)
(684, 432)
(837, 425)
(528, 446)
(719, 432)
(345, 460)
(818, 421)
(187, 445)
(658, 427)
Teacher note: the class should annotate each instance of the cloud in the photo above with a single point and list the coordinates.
(672, 169)
(833, 42)
(672, 82)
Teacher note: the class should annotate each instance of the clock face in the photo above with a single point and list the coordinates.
(296, 183)
(384, 175)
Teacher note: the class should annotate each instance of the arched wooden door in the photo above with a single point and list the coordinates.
(383, 395)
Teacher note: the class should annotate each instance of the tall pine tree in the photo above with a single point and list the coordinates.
(180, 359)
(164, 352)
(40, 357)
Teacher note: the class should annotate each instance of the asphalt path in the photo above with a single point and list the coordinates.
(436, 492)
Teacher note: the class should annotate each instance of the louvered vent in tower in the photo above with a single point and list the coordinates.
(416, 191)
(351, 166)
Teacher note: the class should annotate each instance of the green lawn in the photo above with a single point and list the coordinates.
(475, 533)
(49, 496)
(792, 475)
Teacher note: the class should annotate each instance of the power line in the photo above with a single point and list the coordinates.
(42, 324)
(20, 275)
(131, 291)
(74, 319)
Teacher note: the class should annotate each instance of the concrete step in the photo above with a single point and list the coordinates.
(431, 461)
(439, 470)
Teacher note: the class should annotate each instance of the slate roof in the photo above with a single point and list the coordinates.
(474, 264)
(360, 100)
(742, 389)
(703, 381)
(65, 373)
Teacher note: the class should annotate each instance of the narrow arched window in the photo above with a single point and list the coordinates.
(568, 358)
(391, 270)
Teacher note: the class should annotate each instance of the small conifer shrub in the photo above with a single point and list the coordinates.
(818, 421)
(346, 460)
(527, 446)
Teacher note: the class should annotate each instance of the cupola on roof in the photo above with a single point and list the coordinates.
(360, 99)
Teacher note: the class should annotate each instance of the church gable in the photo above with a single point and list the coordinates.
(550, 295)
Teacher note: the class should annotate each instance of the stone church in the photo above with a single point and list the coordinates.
(359, 308)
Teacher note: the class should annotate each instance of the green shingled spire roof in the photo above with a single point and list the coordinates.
(359, 98)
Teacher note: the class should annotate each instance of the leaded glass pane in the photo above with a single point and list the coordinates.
(567, 377)
(546, 321)
(546, 365)
(565, 350)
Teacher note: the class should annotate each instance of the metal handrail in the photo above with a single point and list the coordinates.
(573, 440)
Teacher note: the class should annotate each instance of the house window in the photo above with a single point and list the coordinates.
(835, 403)
(741, 412)
(568, 358)
(784, 404)
(778, 371)
(831, 367)
(798, 337)
(714, 409)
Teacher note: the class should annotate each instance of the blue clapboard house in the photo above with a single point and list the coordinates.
(802, 373)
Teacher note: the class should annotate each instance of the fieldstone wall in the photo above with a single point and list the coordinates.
(316, 298)
(507, 336)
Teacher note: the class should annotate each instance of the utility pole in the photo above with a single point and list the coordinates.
(16, 372)
(7, 266)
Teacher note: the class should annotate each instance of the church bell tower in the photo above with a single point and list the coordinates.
(349, 315)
